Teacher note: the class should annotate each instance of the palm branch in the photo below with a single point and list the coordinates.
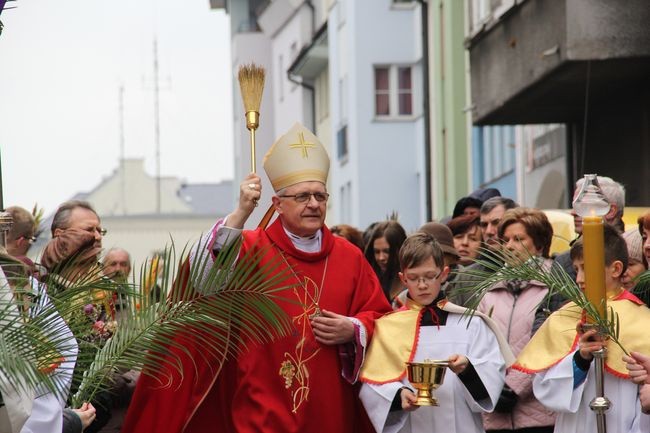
(642, 284)
(32, 340)
(531, 268)
(225, 307)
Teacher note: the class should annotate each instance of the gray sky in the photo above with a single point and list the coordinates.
(61, 64)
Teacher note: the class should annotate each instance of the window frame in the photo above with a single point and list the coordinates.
(394, 92)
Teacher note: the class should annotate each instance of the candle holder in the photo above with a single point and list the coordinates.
(590, 200)
(600, 404)
(590, 203)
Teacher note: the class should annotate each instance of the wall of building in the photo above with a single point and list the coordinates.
(291, 102)
(450, 150)
(130, 190)
(252, 47)
(384, 165)
(143, 236)
(544, 166)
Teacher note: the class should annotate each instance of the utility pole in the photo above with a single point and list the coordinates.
(122, 165)
(156, 123)
(156, 110)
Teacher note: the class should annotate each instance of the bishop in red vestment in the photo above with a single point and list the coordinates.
(303, 382)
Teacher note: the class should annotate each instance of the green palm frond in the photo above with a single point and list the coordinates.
(642, 284)
(32, 341)
(532, 268)
(228, 306)
(224, 307)
(38, 213)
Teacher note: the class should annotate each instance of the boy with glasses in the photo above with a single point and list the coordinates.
(429, 327)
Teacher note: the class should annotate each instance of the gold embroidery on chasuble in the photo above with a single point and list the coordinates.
(295, 368)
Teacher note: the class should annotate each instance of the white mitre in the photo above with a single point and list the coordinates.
(297, 156)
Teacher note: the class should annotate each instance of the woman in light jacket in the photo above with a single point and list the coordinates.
(525, 234)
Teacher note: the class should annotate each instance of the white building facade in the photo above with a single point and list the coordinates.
(375, 113)
(349, 70)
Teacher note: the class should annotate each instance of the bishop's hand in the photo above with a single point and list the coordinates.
(331, 328)
(250, 191)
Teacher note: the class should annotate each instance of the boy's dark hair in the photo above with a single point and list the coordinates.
(615, 248)
(417, 248)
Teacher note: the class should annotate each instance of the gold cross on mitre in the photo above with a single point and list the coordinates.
(303, 145)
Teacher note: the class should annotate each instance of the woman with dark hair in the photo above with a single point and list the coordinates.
(467, 237)
(525, 234)
(382, 253)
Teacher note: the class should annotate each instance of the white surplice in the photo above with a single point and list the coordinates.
(47, 408)
(458, 411)
(554, 389)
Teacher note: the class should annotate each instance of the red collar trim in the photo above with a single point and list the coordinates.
(627, 295)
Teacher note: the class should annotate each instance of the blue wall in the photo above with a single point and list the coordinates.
(493, 153)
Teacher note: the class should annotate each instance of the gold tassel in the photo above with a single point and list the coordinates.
(251, 85)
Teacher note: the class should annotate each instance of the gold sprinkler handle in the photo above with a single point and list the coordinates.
(252, 123)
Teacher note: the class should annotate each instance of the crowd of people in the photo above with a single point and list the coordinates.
(363, 304)
(73, 255)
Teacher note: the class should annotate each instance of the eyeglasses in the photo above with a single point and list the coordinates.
(30, 239)
(426, 279)
(304, 197)
(99, 230)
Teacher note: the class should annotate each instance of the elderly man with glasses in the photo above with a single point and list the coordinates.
(303, 382)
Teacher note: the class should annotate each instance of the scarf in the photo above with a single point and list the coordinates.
(73, 246)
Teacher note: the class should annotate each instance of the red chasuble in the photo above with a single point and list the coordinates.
(293, 384)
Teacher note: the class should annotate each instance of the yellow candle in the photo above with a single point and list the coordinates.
(594, 256)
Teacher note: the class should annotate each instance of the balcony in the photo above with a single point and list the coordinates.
(531, 60)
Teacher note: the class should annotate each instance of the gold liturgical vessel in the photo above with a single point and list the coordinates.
(426, 376)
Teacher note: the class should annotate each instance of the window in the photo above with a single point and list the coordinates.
(322, 96)
(382, 92)
(405, 91)
(393, 91)
(342, 142)
(496, 151)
